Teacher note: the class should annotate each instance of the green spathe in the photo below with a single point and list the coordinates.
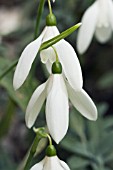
(56, 68)
(51, 20)
(51, 151)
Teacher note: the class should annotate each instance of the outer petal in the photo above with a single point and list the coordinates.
(83, 103)
(52, 163)
(38, 166)
(64, 165)
(57, 108)
(110, 12)
(51, 31)
(35, 104)
(103, 34)
(25, 61)
(70, 63)
(87, 29)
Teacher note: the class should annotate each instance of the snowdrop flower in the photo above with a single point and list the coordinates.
(56, 90)
(67, 57)
(98, 21)
(51, 162)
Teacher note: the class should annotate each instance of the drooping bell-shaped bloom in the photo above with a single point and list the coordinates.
(98, 21)
(67, 57)
(51, 163)
(56, 90)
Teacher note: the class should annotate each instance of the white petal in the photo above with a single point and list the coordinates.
(110, 12)
(83, 103)
(52, 163)
(38, 166)
(35, 104)
(103, 34)
(51, 31)
(49, 67)
(57, 108)
(87, 29)
(25, 61)
(47, 54)
(64, 165)
(70, 64)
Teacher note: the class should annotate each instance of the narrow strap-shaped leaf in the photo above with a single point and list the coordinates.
(59, 37)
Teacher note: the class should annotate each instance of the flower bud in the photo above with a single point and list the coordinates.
(56, 68)
(51, 151)
(51, 20)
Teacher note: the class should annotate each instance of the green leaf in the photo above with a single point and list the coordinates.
(22, 96)
(7, 69)
(59, 37)
(108, 123)
(106, 80)
(77, 124)
(7, 118)
(106, 145)
(77, 162)
(71, 145)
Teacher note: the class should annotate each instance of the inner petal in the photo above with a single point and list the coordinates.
(103, 19)
(103, 34)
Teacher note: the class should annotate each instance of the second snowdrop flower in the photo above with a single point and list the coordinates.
(51, 161)
(67, 57)
(98, 21)
(57, 90)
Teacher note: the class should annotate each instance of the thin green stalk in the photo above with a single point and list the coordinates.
(40, 133)
(32, 152)
(50, 8)
(57, 59)
(39, 16)
(8, 69)
(7, 119)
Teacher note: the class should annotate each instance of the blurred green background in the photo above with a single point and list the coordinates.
(87, 145)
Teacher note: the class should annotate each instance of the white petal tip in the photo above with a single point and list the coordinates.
(29, 125)
(94, 115)
(79, 24)
(16, 85)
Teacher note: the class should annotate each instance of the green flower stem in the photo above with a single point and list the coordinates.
(7, 119)
(50, 140)
(57, 59)
(8, 69)
(39, 16)
(50, 8)
(40, 133)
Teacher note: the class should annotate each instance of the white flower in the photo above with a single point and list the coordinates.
(98, 20)
(10, 20)
(66, 54)
(51, 163)
(57, 90)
